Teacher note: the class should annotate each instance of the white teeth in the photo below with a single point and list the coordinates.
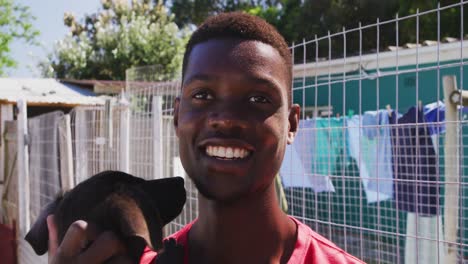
(237, 153)
(244, 153)
(226, 152)
(229, 153)
(220, 152)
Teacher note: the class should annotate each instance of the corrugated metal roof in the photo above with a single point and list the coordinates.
(45, 92)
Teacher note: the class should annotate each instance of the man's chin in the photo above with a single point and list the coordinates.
(219, 196)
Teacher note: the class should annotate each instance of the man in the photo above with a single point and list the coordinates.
(234, 118)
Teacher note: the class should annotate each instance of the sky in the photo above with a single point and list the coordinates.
(49, 21)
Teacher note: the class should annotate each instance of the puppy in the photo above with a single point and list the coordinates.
(134, 209)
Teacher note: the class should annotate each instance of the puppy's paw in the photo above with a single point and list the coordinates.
(172, 253)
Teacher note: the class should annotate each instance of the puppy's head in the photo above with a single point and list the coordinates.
(134, 209)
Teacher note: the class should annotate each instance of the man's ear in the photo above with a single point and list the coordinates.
(293, 122)
(176, 114)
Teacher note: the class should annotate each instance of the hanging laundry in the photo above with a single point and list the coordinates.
(310, 159)
(424, 240)
(414, 164)
(434, 114)
(369, 144)
(324, 141)
(292, 171)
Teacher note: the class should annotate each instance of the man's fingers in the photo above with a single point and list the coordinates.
(75, 239)
(104, 247)
(53, 239)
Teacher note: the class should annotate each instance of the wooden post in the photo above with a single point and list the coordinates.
(23, 168)
(157, 137)
(452, 170)
(66, 154)
(6, 114)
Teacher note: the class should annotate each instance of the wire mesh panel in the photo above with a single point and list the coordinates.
(154, 151)
(44, 174)
(44, 160)
(97, 143)
(368, 166)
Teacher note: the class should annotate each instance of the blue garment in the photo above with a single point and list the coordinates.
(434, 114)
(370, 145)
(414, 164)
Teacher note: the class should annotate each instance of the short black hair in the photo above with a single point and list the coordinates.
(243, 26)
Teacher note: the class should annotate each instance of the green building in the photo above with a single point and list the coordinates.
(399, 79)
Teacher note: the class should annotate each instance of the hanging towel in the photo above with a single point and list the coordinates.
(297, 169)
(369, 144)
(416, 186)
(322, 143)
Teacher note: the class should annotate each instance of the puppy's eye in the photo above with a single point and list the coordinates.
(258, 99)
(203, 96)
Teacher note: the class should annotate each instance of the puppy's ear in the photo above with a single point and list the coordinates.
(38, 236)
(169, 196)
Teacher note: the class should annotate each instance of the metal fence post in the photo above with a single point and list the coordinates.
(157, 136)
(124, 134)
(23, 168)
(81, 145)
(66, 154)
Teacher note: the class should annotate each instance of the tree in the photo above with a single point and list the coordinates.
(15, 23)
(303, 19)
(196, 11)
(118, 37)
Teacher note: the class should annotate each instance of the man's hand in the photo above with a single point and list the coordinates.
(75, 247)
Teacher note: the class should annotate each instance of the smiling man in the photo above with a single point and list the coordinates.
(234, 118)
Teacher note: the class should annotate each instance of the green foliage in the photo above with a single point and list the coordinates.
(121, 35)
(15, 23)
(118, 37)
(196, 11)
(304, 19)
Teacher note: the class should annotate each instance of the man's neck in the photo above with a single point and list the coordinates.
(254, 230)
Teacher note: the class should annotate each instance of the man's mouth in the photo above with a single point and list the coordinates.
(226, 153)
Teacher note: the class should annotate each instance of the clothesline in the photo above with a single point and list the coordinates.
(395, 154)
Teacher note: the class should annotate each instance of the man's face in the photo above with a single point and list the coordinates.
(232, 118)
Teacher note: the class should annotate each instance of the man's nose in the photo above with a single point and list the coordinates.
(228, 117)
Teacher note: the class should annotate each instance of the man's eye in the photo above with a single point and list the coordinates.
(203, 96)
(259, 99)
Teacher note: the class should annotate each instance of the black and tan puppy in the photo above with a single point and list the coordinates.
(133, 208)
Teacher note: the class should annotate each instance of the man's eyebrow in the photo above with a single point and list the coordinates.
(269, 82)
(261, 80)
(199, 77)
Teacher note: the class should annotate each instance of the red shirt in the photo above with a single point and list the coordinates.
(310, 248)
